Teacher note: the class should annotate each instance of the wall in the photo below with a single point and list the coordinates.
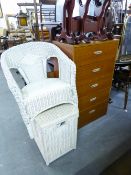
(10, 7)
(1, 19)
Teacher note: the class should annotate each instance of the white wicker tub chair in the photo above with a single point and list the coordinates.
(40, 93)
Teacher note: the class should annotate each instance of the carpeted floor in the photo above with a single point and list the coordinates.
(122, 166)
(99, 143)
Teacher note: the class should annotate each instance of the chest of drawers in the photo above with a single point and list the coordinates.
(95, 66)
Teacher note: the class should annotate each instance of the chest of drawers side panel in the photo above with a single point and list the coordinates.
(68, 49)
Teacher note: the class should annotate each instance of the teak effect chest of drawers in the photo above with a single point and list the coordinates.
(95, 66)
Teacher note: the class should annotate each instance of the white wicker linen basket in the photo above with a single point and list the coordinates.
(55, 131)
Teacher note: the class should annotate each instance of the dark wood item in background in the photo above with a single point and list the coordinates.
(122, 77)
(36, 26)
(48, 2)
(95, 24)
(95, 65)
(74, 29)
(71, 25)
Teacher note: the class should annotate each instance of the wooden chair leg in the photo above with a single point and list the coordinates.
(110, 101)
(126, 96)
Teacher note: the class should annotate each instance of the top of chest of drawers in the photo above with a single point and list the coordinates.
(83, 54)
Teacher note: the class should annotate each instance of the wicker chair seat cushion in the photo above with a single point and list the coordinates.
(43, 95)
(31, 68)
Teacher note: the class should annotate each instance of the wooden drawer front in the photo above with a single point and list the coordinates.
(92, 113)
(96, 52)
(93, 99)
(98, 69)
(88, 87)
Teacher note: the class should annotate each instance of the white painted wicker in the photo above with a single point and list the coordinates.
(39, 98)
(55, 131)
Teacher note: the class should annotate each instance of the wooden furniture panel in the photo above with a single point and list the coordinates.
(97, 70)
(93, 98)
(68, 49)
(92, 113)
(52, 63)
(94, 52)
(94, 70)
(90, 87)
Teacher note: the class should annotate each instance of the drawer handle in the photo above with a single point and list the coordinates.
(94, 85)
(98, 52)
(92, 99)
(61, 124)
(96, 70)
(92, 111)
